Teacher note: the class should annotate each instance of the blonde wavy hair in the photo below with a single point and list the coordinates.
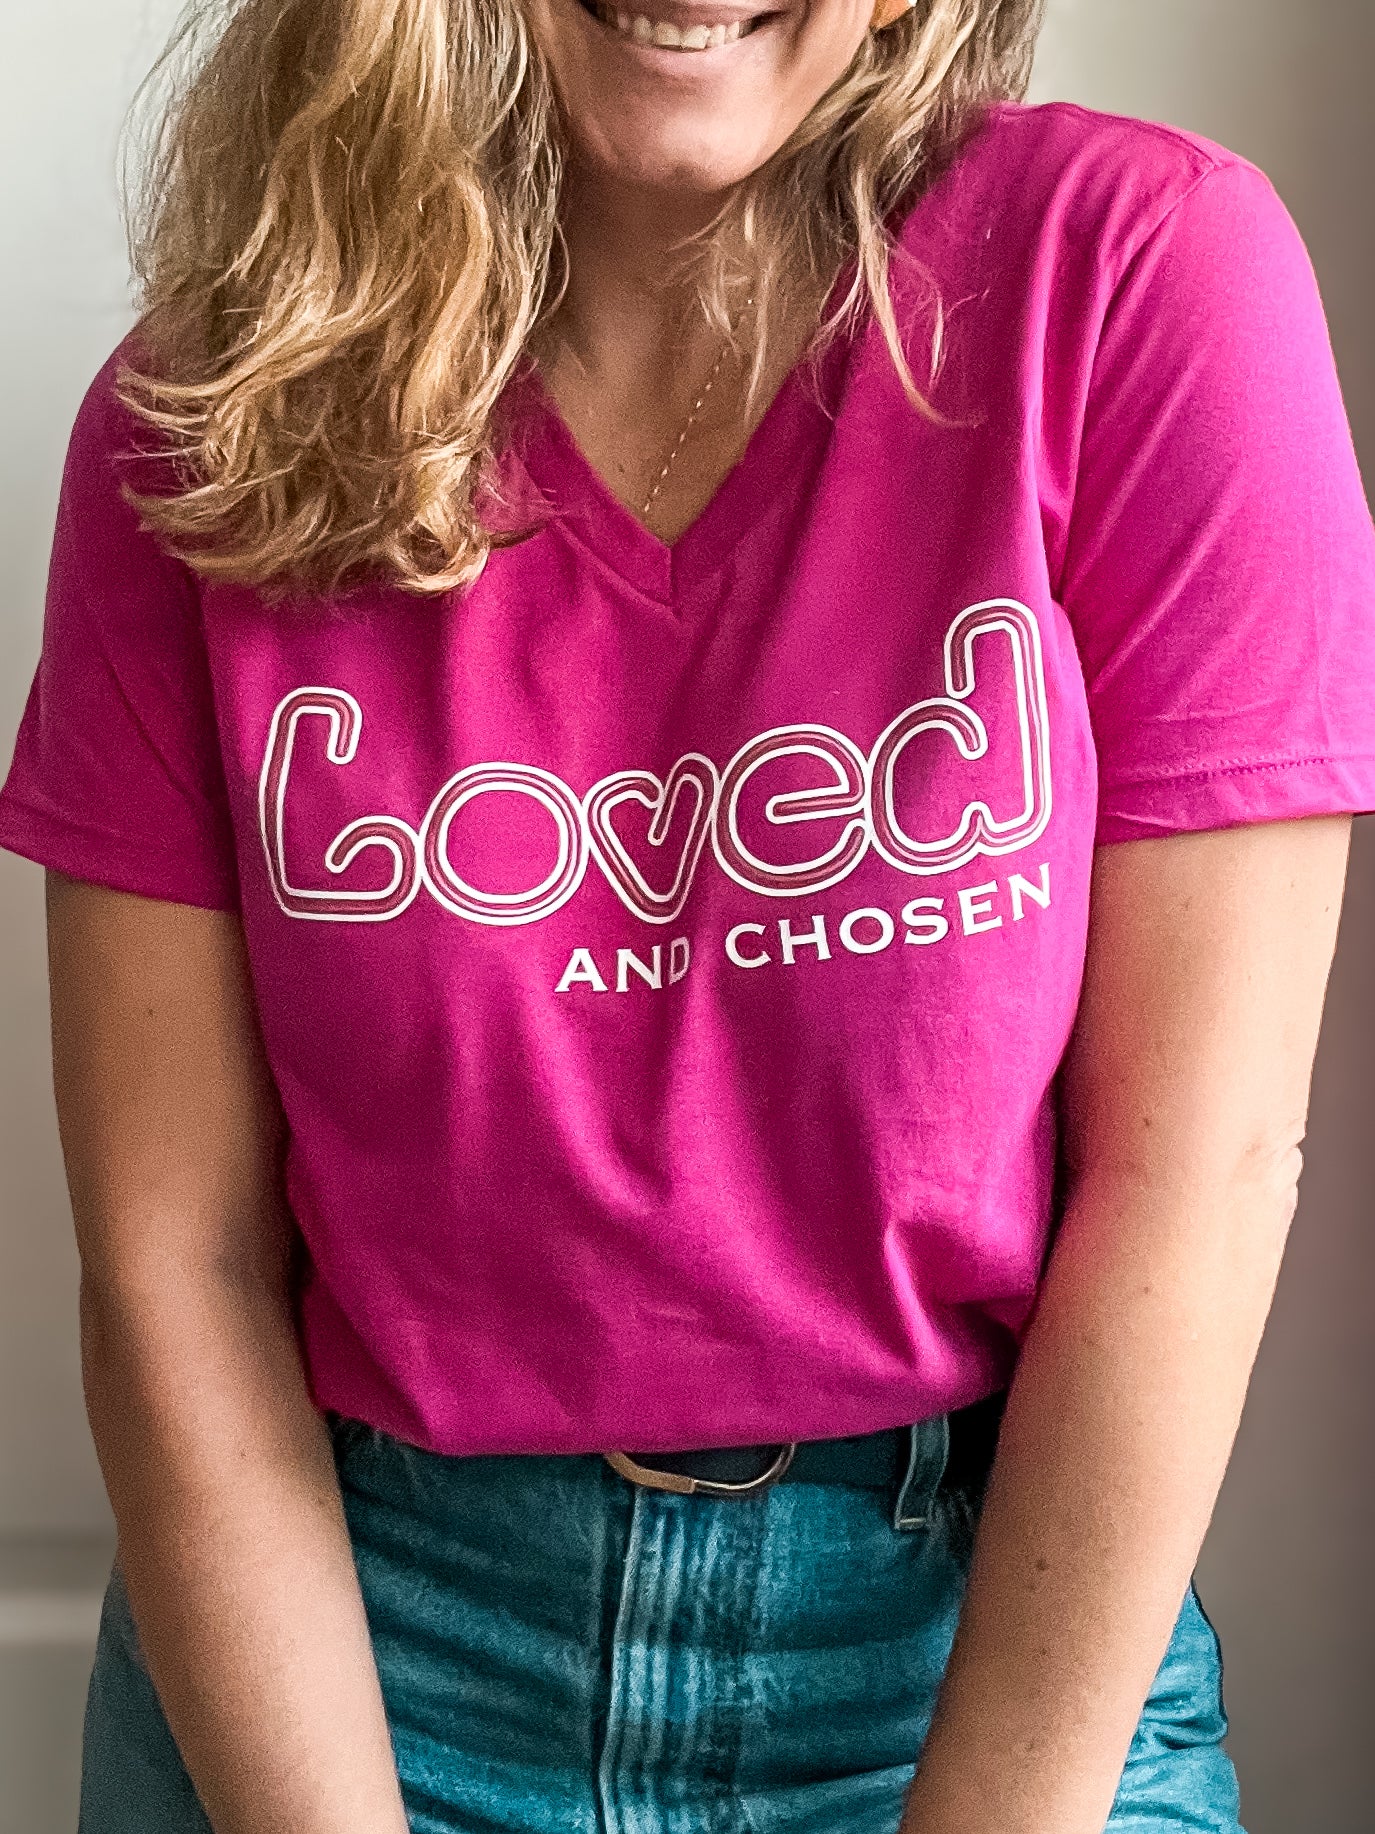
(345, 233)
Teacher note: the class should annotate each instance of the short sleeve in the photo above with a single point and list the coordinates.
(117, 776)
(1220, 560)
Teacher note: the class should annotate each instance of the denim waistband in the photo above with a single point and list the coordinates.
(946, 1454)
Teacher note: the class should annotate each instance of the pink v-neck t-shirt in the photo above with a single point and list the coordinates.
(665, 954)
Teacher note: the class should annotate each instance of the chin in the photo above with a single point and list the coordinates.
(685, 95)
(684, 161)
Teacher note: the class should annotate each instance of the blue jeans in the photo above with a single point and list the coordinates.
(561, 1650)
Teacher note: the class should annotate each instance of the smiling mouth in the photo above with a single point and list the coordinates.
(665, 36)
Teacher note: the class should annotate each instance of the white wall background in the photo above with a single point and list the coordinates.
(1286, 1572)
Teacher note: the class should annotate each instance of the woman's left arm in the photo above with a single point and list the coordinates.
(1185, 1098)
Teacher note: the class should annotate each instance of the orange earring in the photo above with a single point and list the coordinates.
(888, 12)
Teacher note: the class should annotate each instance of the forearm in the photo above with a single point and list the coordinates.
(1119, 1424)
(236, 1555)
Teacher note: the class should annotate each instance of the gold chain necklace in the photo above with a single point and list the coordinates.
(691, 420)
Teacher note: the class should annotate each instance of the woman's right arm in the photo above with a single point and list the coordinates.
(232, 1538)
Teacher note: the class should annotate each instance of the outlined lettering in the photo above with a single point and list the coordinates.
(853, 801)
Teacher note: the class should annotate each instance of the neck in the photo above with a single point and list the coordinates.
(628, 296)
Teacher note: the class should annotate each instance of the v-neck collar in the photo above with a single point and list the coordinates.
(770, 465)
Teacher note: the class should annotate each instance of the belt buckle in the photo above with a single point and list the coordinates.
(648, 1478)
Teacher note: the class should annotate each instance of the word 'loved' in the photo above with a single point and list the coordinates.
(856, 799)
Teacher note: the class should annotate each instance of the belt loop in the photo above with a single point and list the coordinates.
(926, 1462)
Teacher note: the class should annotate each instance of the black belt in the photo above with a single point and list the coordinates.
(873, 1460)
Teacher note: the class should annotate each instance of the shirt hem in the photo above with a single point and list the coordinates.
(98, 859)
(1224, 795)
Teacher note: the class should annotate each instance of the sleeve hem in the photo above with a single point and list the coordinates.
(1234, 794)
(100, 859)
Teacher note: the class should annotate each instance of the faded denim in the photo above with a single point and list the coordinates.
(560, 1650)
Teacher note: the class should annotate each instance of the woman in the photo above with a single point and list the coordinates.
(701, 696)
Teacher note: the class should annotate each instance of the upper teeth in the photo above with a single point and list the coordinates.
(671, 37)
